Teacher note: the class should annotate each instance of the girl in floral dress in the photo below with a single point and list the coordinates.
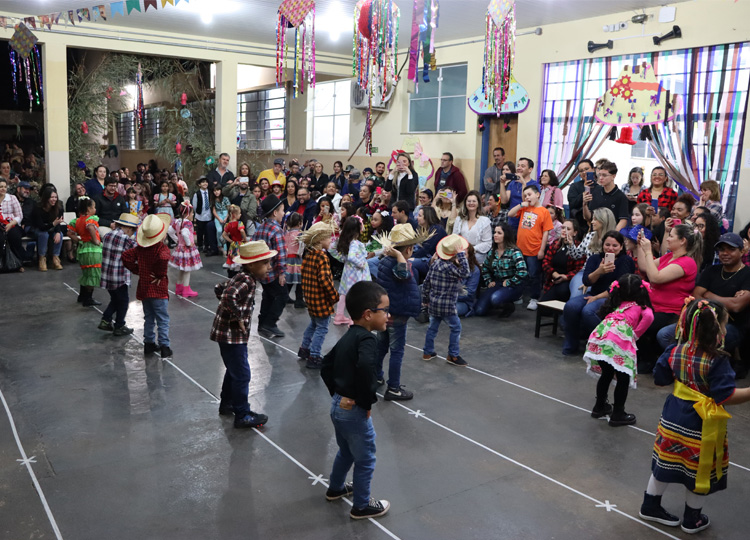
(611, 348)
(353, 254)
(85, 228)
(185, 256)
(234, 235)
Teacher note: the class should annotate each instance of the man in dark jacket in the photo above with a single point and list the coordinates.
(110, 204)
(450, 177)
(304, 206)
(221, 174)
(575, 193)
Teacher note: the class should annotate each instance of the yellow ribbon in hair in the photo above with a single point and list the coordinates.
(712, 434)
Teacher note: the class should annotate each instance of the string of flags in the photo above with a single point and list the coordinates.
(96, 13)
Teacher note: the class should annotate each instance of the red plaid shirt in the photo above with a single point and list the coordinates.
(572, 267)
(114, 274)
(666, 200)
(149, 264)
(236, 301)
(272, 234)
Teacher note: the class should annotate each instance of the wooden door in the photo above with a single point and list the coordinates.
(498, 137)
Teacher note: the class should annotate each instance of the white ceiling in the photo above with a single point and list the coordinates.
(255, 20)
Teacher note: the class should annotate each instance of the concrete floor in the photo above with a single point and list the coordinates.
(125, 447)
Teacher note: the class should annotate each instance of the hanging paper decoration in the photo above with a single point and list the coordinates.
(85, 128)
(183, 99)
(299, 15)
(423, 26)
(499, 51)
(178, 148)
(516, 102)
(138, 101)
(26, 64)
(637, 98)
(375, 61)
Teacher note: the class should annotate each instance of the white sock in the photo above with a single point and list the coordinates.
(655, 487)
(693, 500)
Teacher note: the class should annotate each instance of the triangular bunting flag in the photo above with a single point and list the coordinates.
(178, 1)
(3, 22)
(165, 2)
(83, 13)
(30, 21)
(71, 17)
(149, 3)
(56, 17)
(44, 21)
(134, 5)
(117, 7)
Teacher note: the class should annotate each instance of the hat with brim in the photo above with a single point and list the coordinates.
(403, 235)
(632, 232)
(731, 239)
(318, 232)
(255, 251)
(153, 229)
(450, 246)
(127, 220)
(270, 203)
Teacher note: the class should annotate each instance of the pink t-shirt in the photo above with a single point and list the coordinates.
(670, 297)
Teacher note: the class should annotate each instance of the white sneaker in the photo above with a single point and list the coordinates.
(519, 301)
(532, 305)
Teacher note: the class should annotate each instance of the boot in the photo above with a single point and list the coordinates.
(693, 521)
(187, 292)
(88, 300)
(56, 263)
(81, 294)
(303, 354)
(601, 408)
(620, 418)
(652, 510)
(42, 263)
(178, 290)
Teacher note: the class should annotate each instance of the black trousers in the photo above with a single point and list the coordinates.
(559, 291)
(272, 303)
(206, 233)
(13, 237)
(119, 299)
(621, 389)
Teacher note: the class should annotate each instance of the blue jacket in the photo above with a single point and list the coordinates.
(427, 248)
(406, 301)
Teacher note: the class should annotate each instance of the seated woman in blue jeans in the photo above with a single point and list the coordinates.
(581, 313)
(467, 298)
(503, 273)
(427, 218)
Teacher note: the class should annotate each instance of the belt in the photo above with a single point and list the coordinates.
(713, 433)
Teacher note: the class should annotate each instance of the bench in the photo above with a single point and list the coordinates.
(551, 308)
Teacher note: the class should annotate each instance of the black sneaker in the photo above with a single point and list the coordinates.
(398, 394)
(150, 348)
(693, 521)
(89, 301)
(506, 310)
(106, 326)
(166, 352)
(381, 381)
(372, 510)
(225, 410)
(250, 420)
(122, 331)
(617, 419)
(303, 354)
(300, 304)
(270, 331)
(652, 510)
(457, 361)
(314, 362)
(335, 494)
(599, 412)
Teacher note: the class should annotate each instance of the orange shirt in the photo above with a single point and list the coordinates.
(532, 224)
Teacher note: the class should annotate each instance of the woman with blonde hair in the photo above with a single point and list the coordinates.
(602, 222)
(474, 226)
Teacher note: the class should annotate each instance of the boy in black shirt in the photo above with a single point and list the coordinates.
(350, 373)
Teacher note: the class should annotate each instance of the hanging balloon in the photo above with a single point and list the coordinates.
(85, 128)
(178, 148)
(210, 161)
(183, 99)
(364, 19)
(185, 113)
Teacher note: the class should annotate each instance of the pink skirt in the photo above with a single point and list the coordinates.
(186, 259)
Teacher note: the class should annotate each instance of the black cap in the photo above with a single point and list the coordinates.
(270, 203)
(730, 239)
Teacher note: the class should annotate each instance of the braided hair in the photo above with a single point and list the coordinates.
(701, 326)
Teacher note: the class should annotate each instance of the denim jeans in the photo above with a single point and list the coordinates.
(356, 439)
(373, 263)
(496, 296)
(234, 389)
(42, 242)
(454, 323)
(580, 320)
(394, 338)
(315, 334)
(465, 309)
(421, 266)
(534, 283)
(575, 285)
(665, 337)
(155, 312)
(119, 299)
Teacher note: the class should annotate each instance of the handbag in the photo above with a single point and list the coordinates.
(9, 262)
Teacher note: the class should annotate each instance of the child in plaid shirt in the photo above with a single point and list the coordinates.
(115, 277)
(320, 294)
(440, 292)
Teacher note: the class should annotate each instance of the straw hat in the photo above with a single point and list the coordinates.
(450, 246)
(313, 236)
(403, 235)
(153, 229)
(251, 252)
(128, 220)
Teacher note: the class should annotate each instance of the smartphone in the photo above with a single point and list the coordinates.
(448, 194)
(511, 176)
(609, 258)
(587, 189)
(378, 190)
(590, 176)
(676, 222)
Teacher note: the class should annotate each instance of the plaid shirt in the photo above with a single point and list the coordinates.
(511, 265)
(236, 301)
(443, 284)
(149, 263)
(273, 235)
(11, 209)
(666, 200)
(114, 274)
(317, 283)
(572, 265)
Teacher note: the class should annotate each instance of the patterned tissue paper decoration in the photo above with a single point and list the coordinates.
(375, 61)
(23, 40)
(299, 15)
(499, 51)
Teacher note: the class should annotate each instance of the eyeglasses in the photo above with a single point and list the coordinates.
(700, 226)
(385, 310)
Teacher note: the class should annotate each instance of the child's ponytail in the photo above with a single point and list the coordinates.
(700, 325)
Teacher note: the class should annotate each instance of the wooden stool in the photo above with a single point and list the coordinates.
(553, 307)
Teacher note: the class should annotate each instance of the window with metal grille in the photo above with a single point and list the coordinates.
(261, 120)
(125, 126)
(440, 105)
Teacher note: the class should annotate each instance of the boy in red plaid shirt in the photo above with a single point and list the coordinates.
(231, 330)
(115, 277)
(149, 261)
(320, 294)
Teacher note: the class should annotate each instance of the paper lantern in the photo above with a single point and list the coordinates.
(178, 148)
(364, 19)
(85, 128)
(183, 99)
